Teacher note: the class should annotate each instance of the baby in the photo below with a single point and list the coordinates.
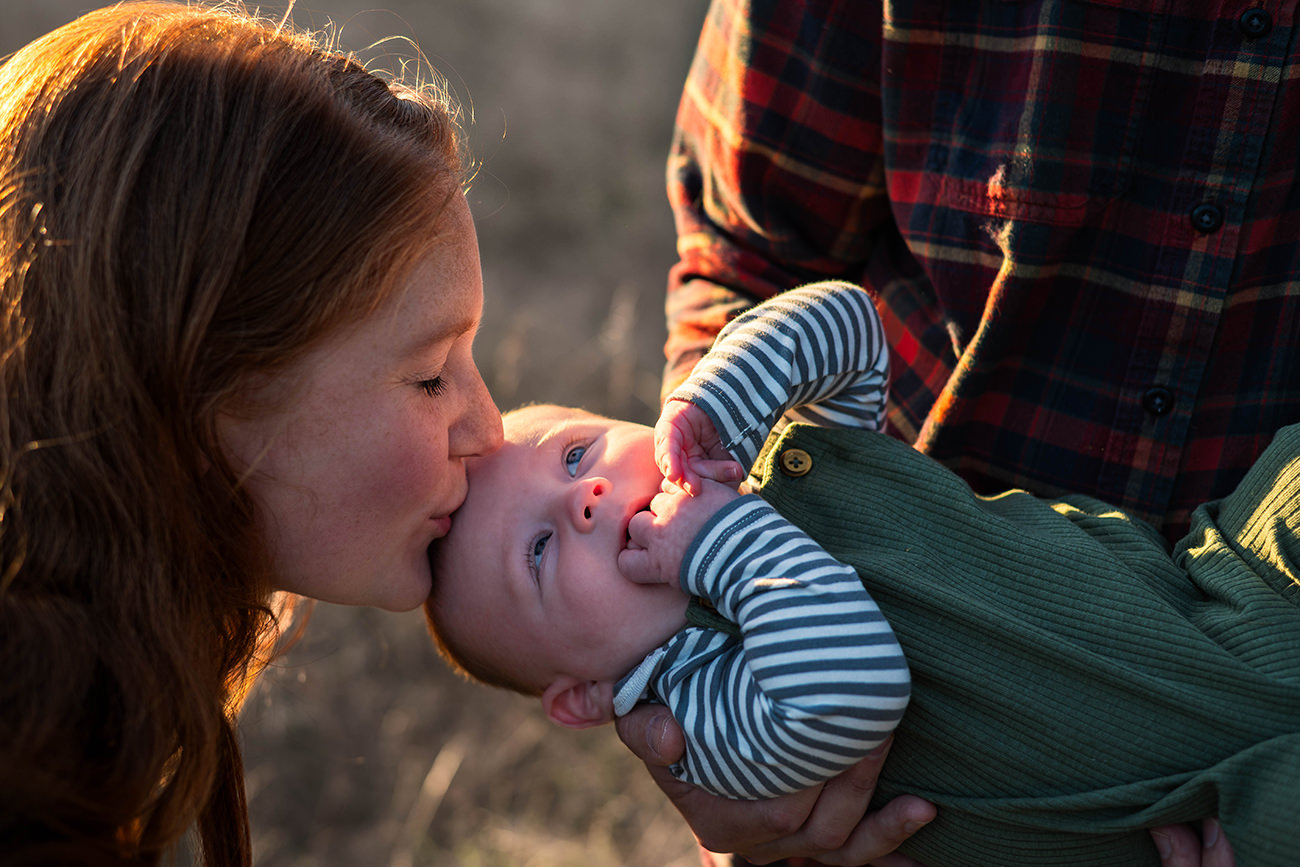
(571, 543)
(1072, 683)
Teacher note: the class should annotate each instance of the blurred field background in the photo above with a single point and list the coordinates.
(361, 749)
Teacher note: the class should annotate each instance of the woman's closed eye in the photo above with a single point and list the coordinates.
(433, 387)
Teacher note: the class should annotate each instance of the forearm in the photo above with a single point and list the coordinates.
(816, 354)
(758, 214)
(764, 731)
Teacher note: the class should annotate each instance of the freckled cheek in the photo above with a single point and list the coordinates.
(403, 472)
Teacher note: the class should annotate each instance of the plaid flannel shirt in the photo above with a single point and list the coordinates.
(1079, 218)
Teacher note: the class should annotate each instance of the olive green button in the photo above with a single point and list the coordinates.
(795, 462)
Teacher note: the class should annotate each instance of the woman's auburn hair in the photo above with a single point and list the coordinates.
(190, 198)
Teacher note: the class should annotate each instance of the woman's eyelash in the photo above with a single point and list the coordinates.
(433, 387)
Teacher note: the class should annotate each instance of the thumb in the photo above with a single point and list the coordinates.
(650, 732)
(637, 565)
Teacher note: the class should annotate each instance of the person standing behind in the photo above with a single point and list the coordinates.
(1077, 218)
(240, 287)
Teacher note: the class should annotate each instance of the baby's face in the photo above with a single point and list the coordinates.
(532, 559)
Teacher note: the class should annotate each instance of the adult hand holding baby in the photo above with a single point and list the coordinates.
(829, 821)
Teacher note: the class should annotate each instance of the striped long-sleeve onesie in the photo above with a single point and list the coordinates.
(805, 676)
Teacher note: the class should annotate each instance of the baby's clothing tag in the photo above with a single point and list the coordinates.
(637, 682)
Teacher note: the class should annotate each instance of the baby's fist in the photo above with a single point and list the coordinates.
(688, 448)
(658, 538)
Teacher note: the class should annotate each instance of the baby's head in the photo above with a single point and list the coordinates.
(527, 593)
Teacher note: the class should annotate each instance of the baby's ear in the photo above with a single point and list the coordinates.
(579, 704)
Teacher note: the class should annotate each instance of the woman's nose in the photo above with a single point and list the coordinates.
(478, 431)
(587, 500)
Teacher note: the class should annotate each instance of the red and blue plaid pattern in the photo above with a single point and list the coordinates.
(1080, 220)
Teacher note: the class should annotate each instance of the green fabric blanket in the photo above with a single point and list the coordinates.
(1073, 683)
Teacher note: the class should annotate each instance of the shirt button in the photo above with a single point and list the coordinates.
(795, 463)
(1206, 218)
(1255, 23)
(1158, 400)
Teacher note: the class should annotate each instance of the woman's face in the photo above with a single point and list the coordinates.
(360, 467)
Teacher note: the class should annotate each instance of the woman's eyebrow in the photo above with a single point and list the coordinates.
(449, 333)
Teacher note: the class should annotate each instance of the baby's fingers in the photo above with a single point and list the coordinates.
(670, 455)
(677, 471)
(637, 566)
(689, 480)
(724, 471)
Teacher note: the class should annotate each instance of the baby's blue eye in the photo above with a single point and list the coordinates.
(572, 458)
(539, 548)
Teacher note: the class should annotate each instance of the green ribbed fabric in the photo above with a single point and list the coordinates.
(1072, 683)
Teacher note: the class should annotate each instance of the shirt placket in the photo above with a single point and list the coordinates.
(1236, 95)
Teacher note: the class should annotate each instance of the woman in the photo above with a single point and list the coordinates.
(240, 288)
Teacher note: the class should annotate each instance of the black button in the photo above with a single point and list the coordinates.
(1255, 23)
(1206, 218)
(1158, 400)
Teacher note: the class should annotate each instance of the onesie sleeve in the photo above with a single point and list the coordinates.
(814, 354)
(817, 679)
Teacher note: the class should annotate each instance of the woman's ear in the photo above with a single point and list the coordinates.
(579, 704)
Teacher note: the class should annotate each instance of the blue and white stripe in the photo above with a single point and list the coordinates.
(817, 679)
(816, 354)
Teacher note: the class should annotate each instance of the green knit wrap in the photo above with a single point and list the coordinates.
(1072, 684)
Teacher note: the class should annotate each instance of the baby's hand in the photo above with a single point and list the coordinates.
(688, 448)
(658, 539)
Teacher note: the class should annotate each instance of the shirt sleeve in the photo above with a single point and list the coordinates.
(815, 354)
(776, 169)
(817, 680)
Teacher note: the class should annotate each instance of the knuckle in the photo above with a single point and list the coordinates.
(782, 822)
(714, 842)
(826, 839)
(862, 786)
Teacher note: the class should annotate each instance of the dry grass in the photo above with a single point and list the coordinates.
(361, 748)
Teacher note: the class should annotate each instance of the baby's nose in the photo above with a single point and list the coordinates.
(588, 499)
